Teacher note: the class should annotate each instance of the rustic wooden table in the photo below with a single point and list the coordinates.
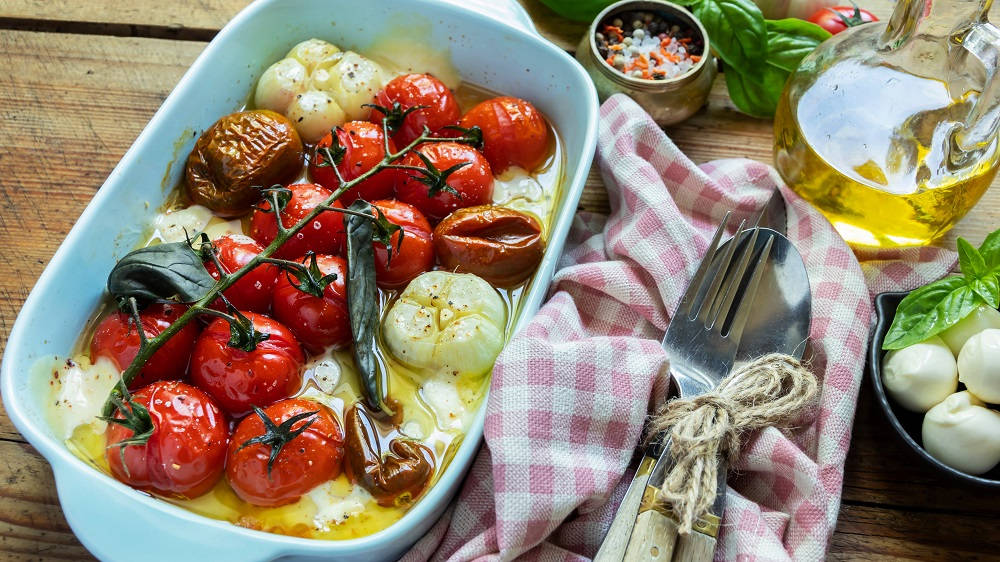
(79, 80)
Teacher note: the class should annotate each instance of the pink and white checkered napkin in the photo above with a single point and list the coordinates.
(571, 392)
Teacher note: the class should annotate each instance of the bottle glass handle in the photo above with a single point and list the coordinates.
(982, 41)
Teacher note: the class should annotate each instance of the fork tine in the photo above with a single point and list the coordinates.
(746, 303)
(708, 302)
(721, 306)
(692, 291)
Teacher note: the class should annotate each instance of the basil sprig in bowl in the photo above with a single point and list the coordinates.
(907, 318)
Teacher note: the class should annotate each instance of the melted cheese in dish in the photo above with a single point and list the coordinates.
(80, 390)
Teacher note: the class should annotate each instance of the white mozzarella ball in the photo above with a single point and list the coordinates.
(314, 114)
(447, 323)
(963, 434)
(979, 365)
(921, 375)
(352, 81)
(279, 85)
(313, 52)
(983, 317)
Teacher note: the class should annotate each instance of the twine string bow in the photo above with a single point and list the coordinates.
(771, 390)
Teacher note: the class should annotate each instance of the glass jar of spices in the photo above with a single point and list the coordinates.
(654, 51)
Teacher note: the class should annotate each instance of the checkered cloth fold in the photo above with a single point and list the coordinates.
(571, 392)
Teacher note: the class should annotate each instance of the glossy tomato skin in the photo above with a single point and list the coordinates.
(313, 457)
(325, 235)
(514, 133)
(238, 379)
(415, 254)
(473, 182)
(117, 339)
(317, 322)
(832, 22)
(252, 291)
(410, 90)
(186, 454)
(364, 145)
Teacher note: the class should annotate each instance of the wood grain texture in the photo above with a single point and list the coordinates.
(71, 104)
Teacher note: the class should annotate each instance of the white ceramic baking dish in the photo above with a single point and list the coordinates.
(492, 44)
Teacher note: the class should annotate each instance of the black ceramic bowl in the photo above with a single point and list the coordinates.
(906, 423)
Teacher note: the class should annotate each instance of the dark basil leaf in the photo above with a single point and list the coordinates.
(362, 301)
(791, 39)
(160, 272)
(736, 31)
(930, 310)
(756, 94)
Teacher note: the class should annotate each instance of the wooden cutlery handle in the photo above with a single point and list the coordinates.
(694, 547)
(615, 542)
(653, 538)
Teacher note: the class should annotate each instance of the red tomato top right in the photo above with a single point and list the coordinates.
(514, 133)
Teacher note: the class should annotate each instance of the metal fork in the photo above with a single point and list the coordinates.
(702, 348)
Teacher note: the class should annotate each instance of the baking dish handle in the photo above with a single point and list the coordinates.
(510, 12)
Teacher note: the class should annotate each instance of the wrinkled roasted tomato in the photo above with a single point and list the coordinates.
(411, 257)
(364, 148)
(514, 133)
(252, 291)
(393, 477)
(501, 245)
(239, 153)
(324, 236)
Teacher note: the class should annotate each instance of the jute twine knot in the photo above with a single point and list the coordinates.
(771, 390)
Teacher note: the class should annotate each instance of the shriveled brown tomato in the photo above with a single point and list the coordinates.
(461, 178)
(240, 379)
(300, 461)
(325, 235)
(117, 338)
(363, 145)
(393, 477)
(239, 152)
(252, 291)
(514, 133)
(318, 321)
(185, 455)
(411, 257)
(439, 110)
(501, 245)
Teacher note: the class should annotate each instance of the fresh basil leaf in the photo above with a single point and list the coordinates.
(165, 271)
(736, 31)
(791, 39)
(970, 261)
(988, 288)
(990, 249)
(362, 301)
(756, 94)
(929, 310)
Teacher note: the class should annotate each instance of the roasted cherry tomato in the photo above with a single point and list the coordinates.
(501, 245)
(839, 18)
(396, 474)
(440, 194)
(364, 148)
(303, 462)
(239, 379)
(252, 291)
(411, 257)
(318, 322)
(117, 339)
(324, 236)
(514, 133)
(237, 154)
(186, 453)
(409, 91)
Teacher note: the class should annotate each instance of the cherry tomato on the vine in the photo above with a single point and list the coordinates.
(363, 146)
(117, 339)
(252, 291)
(324, 235)
(514, 133)
(438, 194)
(411, 257)
(839, 18)
(318, 322)
(303, 462)
(409, 91)
(186, 453)
(239, 379)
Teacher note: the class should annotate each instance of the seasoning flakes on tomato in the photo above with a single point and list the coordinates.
(252, 291)
(411, 102)
(118, 339)
(455, 175)
(325, 235)
(411, 256)
(284, 451)
(240, 378)
(315, 313)
(360, 147)
(186, 451)
(514, 133)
